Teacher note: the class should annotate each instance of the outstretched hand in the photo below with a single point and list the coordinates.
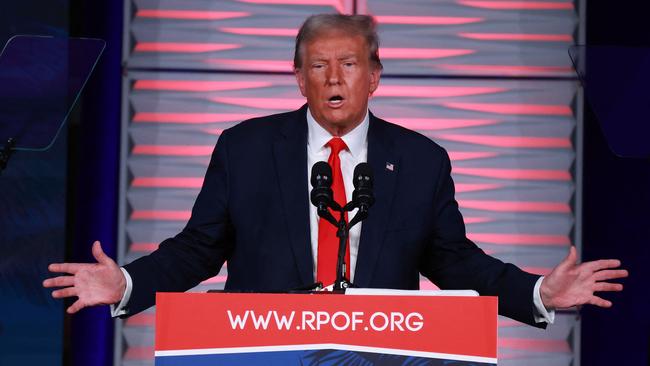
(100, 283)
(572, 284)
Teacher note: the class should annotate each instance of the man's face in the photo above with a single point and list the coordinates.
(337, 79)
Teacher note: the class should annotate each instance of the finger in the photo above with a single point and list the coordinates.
(76, 306)
(598, 301)
(61, 281)
(570, 260)
(70, 268)
(99, 254)
(64, 292)
(606, 286)
(610, 274)
(602, 264)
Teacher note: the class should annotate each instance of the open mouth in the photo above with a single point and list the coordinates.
(335, 100)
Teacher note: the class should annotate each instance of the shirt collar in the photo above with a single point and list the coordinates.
(318, 137)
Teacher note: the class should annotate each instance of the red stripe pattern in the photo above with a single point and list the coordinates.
(511, 142)
(512, 35)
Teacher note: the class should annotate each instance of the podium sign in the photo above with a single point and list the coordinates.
(324, 329)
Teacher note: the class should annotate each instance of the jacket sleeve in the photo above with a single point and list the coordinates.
(454, 262)
(199, 251)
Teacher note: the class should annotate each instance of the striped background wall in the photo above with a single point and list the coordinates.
(491, 81)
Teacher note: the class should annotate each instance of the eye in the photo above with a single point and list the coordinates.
(348, 64)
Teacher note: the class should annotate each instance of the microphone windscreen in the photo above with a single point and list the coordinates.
(321, 175)
(363, 176)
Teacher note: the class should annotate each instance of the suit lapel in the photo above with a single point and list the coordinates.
(380, 155)
(290, 156)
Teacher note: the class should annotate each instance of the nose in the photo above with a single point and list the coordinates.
(334, 75)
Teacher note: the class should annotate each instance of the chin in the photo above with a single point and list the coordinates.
(340, 117)
(339, 122)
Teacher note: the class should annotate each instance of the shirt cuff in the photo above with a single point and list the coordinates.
(120, 308)
(541, 314)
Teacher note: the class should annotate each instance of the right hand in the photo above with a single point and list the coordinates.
(573, 284)
(100, 283)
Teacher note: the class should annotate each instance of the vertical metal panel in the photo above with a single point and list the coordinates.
(581, 39)
(475, 37)
(512, 152)
(171, 128)
(511, 140)
(250, 35)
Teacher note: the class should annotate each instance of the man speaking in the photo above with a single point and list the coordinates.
(254, 211)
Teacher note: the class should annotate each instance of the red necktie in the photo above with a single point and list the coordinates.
(328, 242)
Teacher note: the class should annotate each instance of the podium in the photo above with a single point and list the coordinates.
(362, 328)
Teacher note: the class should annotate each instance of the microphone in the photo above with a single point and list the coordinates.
(322, 195)
(362, 196)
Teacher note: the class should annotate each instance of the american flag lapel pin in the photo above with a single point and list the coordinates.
(390, 166)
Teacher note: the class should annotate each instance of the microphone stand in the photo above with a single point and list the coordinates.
(343, 234)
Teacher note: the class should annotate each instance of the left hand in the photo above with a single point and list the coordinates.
(572, 284)
(101, 283)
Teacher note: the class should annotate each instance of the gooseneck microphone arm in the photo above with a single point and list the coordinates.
(322, 197)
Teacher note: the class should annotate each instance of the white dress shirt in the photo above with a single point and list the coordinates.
(357, 152)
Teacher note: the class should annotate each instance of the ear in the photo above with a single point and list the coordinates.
(300, 79)
(375, 75)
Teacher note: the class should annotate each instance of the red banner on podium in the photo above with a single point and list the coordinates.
(282, 328)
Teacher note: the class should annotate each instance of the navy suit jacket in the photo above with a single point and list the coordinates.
(253, 211)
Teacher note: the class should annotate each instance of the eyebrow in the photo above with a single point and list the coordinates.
(344, 57)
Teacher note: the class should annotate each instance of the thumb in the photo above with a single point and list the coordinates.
(571, 258)
(99, 254)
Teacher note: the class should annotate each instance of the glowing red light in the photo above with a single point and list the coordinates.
(173, 150)
(279, 32)
(506, 108)
(215, 279)
(189, 14)
(190, 118)
(421, 53)
(163, 215)
(262, 103)
(433, 124)
(183, 47)
(510, 141)
(336, 4)
(425, 20)
(143, 247)
(473, 187)
(515, 206)
(518, 5)
(513, 70)
(198, 85)
(514, 174)
(167, 182)
(518, 37)
(470, 155)
(241, 64)
(477, 220)
(433, 91)
(537, 270)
